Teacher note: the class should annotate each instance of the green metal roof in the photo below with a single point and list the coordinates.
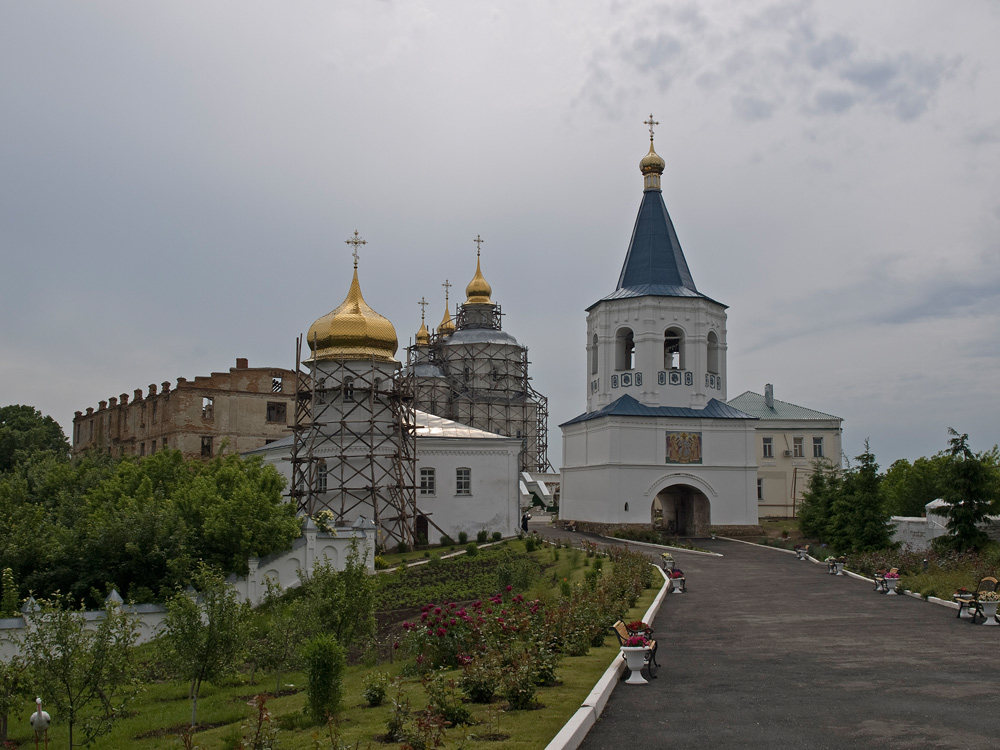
(755, 404)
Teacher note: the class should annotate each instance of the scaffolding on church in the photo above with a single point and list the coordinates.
(354, 446)
(487, 387)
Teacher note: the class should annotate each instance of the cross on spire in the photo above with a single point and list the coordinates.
(479, 242)
(356, 241)
(651, 122)
(423, 308)
(447, 285)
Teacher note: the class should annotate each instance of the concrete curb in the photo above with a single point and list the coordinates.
(571, 736)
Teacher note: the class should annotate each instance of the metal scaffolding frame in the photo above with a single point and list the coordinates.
(486, 386)
(354, 445)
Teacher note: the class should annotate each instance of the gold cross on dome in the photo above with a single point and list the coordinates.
(479, 242)
(423, 308)
(356, 241)
(651, 122)
(447, 285)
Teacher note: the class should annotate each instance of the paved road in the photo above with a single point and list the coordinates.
(766, 651)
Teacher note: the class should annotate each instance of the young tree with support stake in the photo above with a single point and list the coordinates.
(206, 638)
(88, 675)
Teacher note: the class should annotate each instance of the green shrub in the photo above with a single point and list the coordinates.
(381, 563)
(482, 535)
(471, 549)
(529, 544)
(497, 536)
(446, 541)
(324, 663)
(376, 685)
(480, 678)
(435, 561)
(402, 548)
(463, 537)
(518, 682)
(444, 698)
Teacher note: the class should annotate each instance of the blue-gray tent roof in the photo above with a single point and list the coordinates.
(654, 264)
(626, 406)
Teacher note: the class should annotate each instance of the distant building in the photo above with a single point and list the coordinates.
(790, 440)
(242, 409)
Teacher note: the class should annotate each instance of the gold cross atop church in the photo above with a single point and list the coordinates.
(357, 242)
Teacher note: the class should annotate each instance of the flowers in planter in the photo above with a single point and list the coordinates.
(831, 559)
(989, 596)
(637, 641)
(637, 626)
(666, 556)
(892, 576)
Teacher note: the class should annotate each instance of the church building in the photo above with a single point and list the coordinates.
(658, 443)
(475, 373)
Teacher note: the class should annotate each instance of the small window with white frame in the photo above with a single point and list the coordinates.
(767, 447)
(760, 489)
(428, 482)
(817, 447)
(798, 447)
(463, 481)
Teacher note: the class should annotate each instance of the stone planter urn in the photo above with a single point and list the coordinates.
(840, 568)
(890, 586)
(635, 660)
(990, 612)
(801, 553)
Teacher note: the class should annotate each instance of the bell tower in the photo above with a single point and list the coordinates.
(655, 338)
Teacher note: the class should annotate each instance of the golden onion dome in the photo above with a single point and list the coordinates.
(353, 331)
(423, 335)
(478, 291)
(652, 163)
(447, 326)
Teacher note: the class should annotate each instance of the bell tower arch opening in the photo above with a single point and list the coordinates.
(682, 510)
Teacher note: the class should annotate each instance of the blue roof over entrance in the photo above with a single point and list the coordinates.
(626, 406)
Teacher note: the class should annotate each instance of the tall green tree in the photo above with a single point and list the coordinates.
(25, 430)
(87, 674)
(970, 491)
(858, 518)
(909, 487)
(206, 637)
(13, 683)
(821, 488)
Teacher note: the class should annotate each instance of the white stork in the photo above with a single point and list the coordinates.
(40, 721)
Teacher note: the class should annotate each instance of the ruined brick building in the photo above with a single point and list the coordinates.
(244, 408)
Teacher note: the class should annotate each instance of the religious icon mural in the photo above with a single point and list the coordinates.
(683, 447)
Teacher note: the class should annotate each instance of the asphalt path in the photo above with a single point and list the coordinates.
(767, 651)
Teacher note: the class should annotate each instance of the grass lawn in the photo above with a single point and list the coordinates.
(163, 710)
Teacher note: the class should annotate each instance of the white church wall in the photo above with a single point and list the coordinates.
(494, 503)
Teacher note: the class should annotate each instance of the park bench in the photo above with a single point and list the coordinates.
(621, 630)
(880, 579)
(969, 600)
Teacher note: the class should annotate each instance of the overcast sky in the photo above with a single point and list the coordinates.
(177, 180)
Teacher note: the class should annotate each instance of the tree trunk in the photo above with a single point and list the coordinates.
(195, 687)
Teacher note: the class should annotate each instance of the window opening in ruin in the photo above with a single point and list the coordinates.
(348, 389)
(142, 414)
(672, 350)
(798, 450)
(163, 444)
(817, 447)
(142, 449)
(467, 374)
(463, 481)
(152, 447)
(277, 411)
(206, 446)
(593, 357)
(277, 383)
(767, 449)
(155, 404)
(207, 407)
(713, 352)
(625, 349)
(428, 482)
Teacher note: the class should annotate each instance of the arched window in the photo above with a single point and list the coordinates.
(593, 357)
(713, 353)
(624, 349)
(348, 389)
(673, 349)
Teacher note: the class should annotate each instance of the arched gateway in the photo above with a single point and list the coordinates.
(683, 510)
